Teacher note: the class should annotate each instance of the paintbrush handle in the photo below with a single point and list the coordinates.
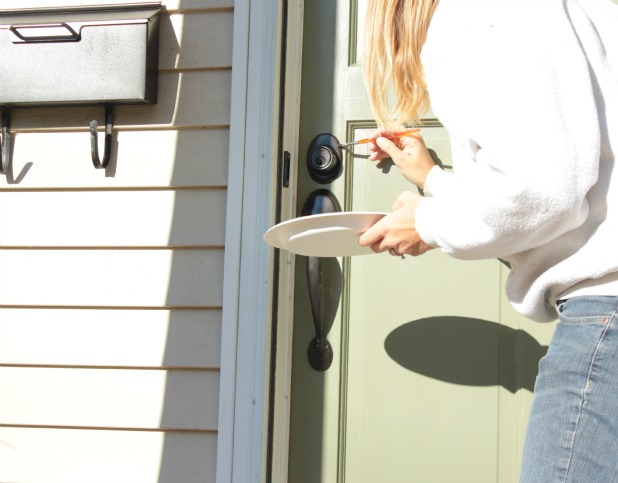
(409, 132)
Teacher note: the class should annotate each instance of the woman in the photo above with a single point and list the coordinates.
(528, 90)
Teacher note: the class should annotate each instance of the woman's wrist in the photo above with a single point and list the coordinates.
(425, 179)
(424, 174)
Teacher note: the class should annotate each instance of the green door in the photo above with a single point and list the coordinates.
(432, 374)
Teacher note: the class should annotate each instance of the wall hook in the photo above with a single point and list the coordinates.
(94, 139)
(5, 151)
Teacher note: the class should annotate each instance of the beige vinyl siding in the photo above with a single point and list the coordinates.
(111, 280)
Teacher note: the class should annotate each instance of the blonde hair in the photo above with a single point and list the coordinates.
(395, 32)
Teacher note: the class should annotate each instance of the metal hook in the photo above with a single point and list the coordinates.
(6, 141)
(94, 141)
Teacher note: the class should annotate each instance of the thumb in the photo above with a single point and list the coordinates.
(385, 144)
(404, 198)
(389, 148)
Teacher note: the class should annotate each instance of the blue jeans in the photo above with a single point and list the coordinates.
(573, 427)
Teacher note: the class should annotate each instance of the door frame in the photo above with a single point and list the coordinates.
(254, 380)
(254, 404)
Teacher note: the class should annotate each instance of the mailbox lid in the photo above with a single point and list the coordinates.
(79, 55)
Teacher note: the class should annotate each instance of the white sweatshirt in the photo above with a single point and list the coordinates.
(528, 90)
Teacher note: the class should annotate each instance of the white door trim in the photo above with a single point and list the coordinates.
(245, 340)
(285, 277)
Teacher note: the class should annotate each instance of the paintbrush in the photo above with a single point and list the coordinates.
(389, 136)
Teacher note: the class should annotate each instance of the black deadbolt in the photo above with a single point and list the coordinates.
(324, 159)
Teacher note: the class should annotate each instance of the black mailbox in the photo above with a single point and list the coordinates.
(107, 54)
(77, 55)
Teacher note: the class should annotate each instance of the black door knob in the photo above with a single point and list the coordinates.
(324, 159)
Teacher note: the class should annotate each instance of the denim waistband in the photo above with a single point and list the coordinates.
(588, 305)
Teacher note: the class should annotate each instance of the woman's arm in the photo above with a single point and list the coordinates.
(518, 97)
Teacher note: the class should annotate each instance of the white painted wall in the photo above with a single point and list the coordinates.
(111, 281)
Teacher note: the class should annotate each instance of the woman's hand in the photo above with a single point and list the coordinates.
(409, 154)
(395, 232)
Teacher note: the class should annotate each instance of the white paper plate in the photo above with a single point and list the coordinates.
(326, 235)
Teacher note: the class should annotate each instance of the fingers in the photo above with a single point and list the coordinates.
(373, 237)
(383, 148)
(415, 249)
(377, 152)
(387, 147)
(409, 154)
(404, 198)
(396, 149)
(383, 234)
(401, 151)
(396, 232)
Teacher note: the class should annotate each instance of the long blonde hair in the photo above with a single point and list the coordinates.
(395, 31)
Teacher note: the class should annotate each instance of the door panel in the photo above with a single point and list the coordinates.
(433, 371)
(417, 408)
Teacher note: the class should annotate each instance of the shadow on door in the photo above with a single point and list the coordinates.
(466, 351)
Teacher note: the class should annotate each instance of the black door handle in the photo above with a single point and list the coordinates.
(320, 351)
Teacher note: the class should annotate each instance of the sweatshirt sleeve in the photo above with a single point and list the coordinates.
(518, 99)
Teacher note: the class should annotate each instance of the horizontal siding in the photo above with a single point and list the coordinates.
(173, 5)
(166, 338)
(111, 218)
(110, 398)
(196, 99)
(77, 456)
(144, 159)
(200, 30)
(111, 280)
